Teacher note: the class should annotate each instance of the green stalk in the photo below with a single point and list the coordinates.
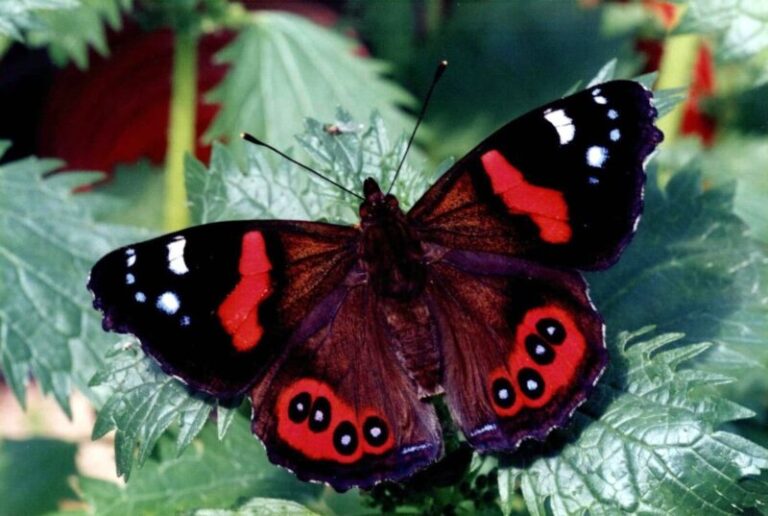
(675, 71)
(181, 128)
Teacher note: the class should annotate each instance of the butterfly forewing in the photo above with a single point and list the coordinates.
(215, 303)
(561, 184)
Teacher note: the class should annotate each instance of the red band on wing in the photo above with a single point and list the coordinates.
(557, 374)
(546, 207)
(340, 436)
(239, 313)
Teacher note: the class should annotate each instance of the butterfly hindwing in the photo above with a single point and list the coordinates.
(215, 303)
(341, 408)
(561, 185)
(522, 344)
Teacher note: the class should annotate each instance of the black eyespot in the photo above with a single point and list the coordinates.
(531, 383)
(503, 393)
(375, 431)
(298, 408)
(345, 438)
(551, 330)
(320, 415)
(538, 349)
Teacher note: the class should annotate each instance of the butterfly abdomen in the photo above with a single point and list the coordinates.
(412, 331)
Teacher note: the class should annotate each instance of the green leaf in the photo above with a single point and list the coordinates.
(48, 243)
(691, 267)
(648, 441)
(742, 25)
(739, 160)
(34, 474)
(211, 473)
(19, 16)
(68, 34)
(144, 403)
(284, 68)
(133, 196)
(265, 506)
(226, 191)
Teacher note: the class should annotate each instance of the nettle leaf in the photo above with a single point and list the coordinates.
(68, 34)
(144, 401)
(48, 243)
(740, 160)
(741, 24)
(284, 67)
(691, 267)
(19, 16)
(211, 474)
(262, 190)
(648, 441)
(265, 506)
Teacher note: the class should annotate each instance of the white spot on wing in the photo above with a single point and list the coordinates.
(375, 431)
(176, 261)
(593, 180)
(140, 297)
(613, 114)
(532, 385)
(596, 156)
(601, 100)
(615, 134)
(130, 279)
(185, 320)
(168, 302)
(563, 124)
(131, 260)
(346, 439)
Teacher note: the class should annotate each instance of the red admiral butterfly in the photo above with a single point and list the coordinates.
(340, 333)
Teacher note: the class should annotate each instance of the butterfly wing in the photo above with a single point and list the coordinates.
(560, 185)
(523, 346)
(340, 408)
(557, 189)
(214, 304)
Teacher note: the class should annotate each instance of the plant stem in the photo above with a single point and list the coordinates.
(181, 128)
(676, 71)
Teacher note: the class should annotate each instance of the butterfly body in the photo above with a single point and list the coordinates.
(390, 252)
(340, 334)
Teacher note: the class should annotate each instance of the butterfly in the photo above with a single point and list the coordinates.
(341, 334)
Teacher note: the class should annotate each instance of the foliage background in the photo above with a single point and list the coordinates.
(120, 92)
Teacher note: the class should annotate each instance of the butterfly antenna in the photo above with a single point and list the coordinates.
(252, 139)
(438, 73)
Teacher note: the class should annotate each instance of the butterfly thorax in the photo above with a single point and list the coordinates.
(389, 250)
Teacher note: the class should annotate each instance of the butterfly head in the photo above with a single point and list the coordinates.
(377, 205)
